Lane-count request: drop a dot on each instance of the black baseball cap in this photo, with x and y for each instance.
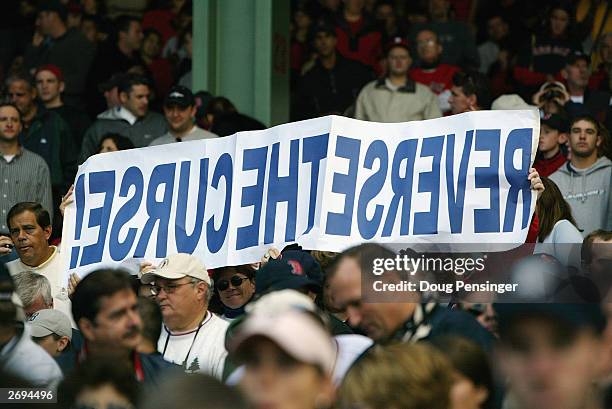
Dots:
(180, 96)
(556, 121)
(56, 6)
(574, 56)
(281, 275)
(323, 27)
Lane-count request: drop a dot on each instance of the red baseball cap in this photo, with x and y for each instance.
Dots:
(53, 69)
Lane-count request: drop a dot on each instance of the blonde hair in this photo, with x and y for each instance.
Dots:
(400, 376)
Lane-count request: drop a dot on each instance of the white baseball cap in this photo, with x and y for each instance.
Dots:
(47, 322)
(296, 333)
(178, 266)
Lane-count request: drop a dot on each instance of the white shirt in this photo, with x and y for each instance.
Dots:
(563, 242)
(54, 271)
(22, 357)
(200, 350)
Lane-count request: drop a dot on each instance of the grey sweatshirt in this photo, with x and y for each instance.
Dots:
(588, 193)
(119, 120)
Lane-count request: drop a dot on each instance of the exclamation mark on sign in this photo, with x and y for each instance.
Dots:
(79, 197)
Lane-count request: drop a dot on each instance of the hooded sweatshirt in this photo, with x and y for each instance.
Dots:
(587, 191)
(141, 131)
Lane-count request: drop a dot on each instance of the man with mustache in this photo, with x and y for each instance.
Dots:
(105, 308)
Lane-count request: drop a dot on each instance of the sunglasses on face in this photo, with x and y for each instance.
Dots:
(235, 281)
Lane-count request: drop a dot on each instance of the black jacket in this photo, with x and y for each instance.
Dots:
(322, 91)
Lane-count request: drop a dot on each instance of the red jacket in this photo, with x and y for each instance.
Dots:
(360, 42)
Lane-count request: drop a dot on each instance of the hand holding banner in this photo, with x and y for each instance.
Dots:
(326, 183)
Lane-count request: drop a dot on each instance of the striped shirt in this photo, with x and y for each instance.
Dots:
(24, 179)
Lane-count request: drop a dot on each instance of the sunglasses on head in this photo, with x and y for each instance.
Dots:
(235, 281)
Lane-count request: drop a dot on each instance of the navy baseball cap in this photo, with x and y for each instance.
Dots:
(556, 121)
(281, 275)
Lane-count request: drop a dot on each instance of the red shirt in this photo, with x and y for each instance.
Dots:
(437, 79)
(547, 167)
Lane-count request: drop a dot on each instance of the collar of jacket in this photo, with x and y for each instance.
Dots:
(409, 87)
(123, 113)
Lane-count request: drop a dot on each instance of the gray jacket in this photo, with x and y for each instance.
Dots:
(588, 193)
(140, 131)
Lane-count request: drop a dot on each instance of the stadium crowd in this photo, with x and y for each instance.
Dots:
(294, 329)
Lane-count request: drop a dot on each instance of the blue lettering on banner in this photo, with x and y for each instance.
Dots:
(225, 169)
(377, 151)
(517, 139)
(158, 212)
(487, 220)
(339, 224)
(282, 189)
(253, 159)
(457, 198)
(79, 201)
(402, 187)
(314, 151)
(427, 222)
(99, 182)
(120, 250)
(186, 243)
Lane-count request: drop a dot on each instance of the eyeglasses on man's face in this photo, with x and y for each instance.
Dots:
(168, 288)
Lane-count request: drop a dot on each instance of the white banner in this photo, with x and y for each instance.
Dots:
(326, 183)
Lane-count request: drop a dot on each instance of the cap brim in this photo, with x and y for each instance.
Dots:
(295, 283)
(150, 276)
(39, 332)
(290, 340)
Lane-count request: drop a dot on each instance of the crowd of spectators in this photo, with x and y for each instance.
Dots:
(294, 330)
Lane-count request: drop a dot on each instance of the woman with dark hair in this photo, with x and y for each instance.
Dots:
(557, 226)
(235, 287)
(473, 387)
(112, 142)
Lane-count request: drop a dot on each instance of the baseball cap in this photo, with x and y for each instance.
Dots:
(178, 266)
(54, 5)
(280, 275)
(323, 27)
(510, 102)
(181, 96)
(555, 121)
(54, 69)
(296, 333)
(302, 261)
(47, 322)
(575, 316)
(111, 83)
(397, 42)
(574, 56)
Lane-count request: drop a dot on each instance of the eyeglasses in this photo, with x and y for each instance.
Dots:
(169, 289)
(426, 43)
(235, 281)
